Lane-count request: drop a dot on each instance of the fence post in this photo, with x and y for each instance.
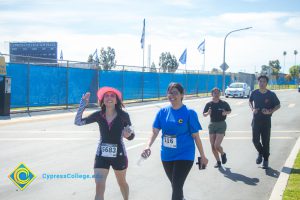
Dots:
(158, 90)
(143, 84)
(122, 87)
(28, 85)
(197, 88)
(67, 86)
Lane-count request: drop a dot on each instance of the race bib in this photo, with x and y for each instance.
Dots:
(170, 141)
(109, 150)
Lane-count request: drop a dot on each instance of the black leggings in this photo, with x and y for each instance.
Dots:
(177, 172)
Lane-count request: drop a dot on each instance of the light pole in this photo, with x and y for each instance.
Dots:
(223, 65)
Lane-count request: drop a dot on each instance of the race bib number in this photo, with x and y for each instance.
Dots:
(170, 141)
(109, 150)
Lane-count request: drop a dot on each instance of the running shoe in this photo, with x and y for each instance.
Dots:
(259, 159)
(224, 158)
(218, 164)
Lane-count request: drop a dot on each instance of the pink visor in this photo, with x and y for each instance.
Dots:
(104, 90)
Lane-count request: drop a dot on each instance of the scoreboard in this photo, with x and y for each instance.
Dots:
(43, 52)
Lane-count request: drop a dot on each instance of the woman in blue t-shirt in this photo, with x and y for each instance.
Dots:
(180, 131)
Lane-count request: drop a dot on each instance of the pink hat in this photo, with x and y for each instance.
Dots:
(104, 90)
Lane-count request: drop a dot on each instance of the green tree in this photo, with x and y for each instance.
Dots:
(266, 70)
(168, 62)
(275, 66)
(153, 67)
(284, 54)
(107, 58)
(288, 77)
(215, 71)
(295, 53)
(90, 58)
(294, 71)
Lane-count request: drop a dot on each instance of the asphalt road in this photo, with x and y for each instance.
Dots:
(52, 144)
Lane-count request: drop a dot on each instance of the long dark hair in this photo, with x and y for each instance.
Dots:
(118, 106)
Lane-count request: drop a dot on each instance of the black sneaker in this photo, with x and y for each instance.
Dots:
(265, 164)
(224, 158)
(259, 159)
(218, 164)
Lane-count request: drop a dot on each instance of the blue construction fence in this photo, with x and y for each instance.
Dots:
(38, 85)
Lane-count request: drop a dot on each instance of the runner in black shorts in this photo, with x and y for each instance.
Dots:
(114, 124)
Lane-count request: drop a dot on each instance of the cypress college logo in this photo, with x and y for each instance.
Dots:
(21, 176)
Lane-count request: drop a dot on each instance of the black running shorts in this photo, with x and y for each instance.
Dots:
(118, 163)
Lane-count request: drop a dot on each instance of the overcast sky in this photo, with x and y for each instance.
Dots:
(80, 27)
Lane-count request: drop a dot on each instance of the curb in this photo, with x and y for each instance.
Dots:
(281, 183)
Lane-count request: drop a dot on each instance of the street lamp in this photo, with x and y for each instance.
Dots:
(224, 64)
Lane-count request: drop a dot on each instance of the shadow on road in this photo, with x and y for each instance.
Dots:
(272, 172)
(238, 177)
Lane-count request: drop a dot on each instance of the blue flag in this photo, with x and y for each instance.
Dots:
(95, 55)
(143, 35)
(182, 58)
(61, 55)
(201, 47)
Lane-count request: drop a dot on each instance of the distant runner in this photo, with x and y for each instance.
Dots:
(217, 109)
(265, 104)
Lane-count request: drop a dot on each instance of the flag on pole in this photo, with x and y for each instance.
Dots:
(95, 55)
(201, 47)
(143, 35)
(61, 55)
(182, 58)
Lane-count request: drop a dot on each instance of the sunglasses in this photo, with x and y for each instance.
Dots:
(111, 95)
(174, 93)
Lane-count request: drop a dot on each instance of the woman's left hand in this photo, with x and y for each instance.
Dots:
(127, 131)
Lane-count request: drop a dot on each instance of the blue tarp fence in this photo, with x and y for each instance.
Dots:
(38, 85)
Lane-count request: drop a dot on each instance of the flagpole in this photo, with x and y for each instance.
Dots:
(203, 67)
(143, 58)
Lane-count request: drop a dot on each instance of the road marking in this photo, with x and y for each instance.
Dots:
(282, 180)
(240, 103)
(232, 115)
(96, 139)
(134, 146)
(291, 105)
(74, 132)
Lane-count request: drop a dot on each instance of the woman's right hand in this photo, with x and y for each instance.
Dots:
(146, 153)
(86, 97)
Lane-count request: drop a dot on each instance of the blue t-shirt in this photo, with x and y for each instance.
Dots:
(177, 127)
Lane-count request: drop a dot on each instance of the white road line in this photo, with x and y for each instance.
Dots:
(282, 180)
(291, 105)
(134, 146)
(137, 131)
(240, 102)
(232, 115)
(96, 139)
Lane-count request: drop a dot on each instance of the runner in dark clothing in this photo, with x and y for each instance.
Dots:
(263, 103)
(217, 109)
(114, 124)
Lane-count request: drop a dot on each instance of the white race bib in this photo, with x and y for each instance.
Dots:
(170, 141)
(109, 150)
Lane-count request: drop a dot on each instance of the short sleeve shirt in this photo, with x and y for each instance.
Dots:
(216, 110)
(110, 134)
(262, 101)
(179, 124)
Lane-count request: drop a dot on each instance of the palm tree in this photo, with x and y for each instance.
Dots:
(284, 54)
(295, 53)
